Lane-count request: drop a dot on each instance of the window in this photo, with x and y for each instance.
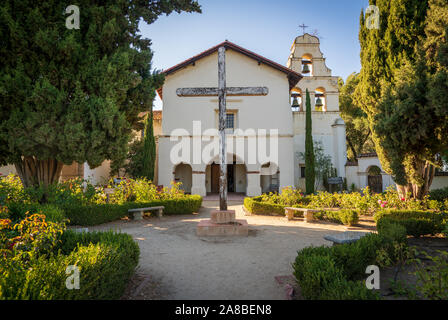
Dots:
(230, 121)
(302, 172)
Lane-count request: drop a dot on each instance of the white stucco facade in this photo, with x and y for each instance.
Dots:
(253, 116)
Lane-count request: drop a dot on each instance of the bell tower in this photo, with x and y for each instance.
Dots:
(307, 59)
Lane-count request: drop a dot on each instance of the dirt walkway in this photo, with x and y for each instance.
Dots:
(176, 264)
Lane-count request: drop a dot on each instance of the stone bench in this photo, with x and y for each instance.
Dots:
(307, 213)
(138, 212)
(345, 237)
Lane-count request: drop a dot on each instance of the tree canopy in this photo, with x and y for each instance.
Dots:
(402, 89)
(74, 94)
(358, 135)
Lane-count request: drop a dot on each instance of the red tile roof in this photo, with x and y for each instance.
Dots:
(293, 77)
(368, 155)
(157, 114)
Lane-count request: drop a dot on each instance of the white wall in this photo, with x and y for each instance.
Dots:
(272, 111)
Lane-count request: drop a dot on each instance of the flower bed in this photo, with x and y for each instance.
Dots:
(86, 205)
(363, 203)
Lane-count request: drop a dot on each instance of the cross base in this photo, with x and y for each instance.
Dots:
(222, 223)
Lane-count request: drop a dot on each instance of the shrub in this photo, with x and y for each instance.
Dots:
(432, 280)
(391, 231)
(416, 223)
(18, 211)
(29, 238)
(94, 214)
(256, 206)
(316, 274)
(11, 189)
(106, 262)
(331, 272)
(439, 194)
(344, 216)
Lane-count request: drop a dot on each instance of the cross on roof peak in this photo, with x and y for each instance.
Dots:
(303, 26)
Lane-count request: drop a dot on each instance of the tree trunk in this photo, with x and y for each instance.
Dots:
(423, 171)
(34, 172)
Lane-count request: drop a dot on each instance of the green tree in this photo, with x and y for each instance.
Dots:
(74, 94)
(358, 135)
(398, 93)
(149, 149)
(310, 174)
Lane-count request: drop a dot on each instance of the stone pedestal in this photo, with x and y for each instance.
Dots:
(222, 223)
(309, 215)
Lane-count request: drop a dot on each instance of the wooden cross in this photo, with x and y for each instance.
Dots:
(303, 26)
(222, 91)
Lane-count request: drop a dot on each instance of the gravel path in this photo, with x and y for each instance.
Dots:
(176, 264)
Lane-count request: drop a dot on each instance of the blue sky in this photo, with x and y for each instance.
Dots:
(267, 27)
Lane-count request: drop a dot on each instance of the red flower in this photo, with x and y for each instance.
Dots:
(403, 199)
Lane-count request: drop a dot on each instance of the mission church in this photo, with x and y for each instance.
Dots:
(273, 113)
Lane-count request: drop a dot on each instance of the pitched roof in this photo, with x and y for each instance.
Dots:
(293, 77)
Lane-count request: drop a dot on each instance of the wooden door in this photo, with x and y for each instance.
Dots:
(215, 178)
(375, 183)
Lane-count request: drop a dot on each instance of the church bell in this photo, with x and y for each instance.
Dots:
(319, 103)
(306, 68)
(295, 102)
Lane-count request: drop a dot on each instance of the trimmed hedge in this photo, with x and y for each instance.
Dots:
(338, 272)
(416, 223)
(106, 261)
(439, 194)
(94, 214)
(345, 216)
(256, 206)
(18, 210)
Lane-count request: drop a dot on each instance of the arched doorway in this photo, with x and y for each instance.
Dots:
(375, 179)
(269, 178)
(183, 174)
(236, 176)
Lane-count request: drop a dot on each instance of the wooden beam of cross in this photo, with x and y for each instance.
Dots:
(303, 26)
(222, 91)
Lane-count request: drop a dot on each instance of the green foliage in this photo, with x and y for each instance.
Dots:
(432, 279)
(402, 88)
(11, 189)
(94, 214)
(309, 148)
(364, 203)
(359, 139)
(149, 149)
(416, 223)
(439, 194)
(322, 165)
(345, 216)
(143, 190)
(74, 94)
(18, 211)
(255, 205)
(105, 260)
(28, 239)
(274, 203)
(333, 272)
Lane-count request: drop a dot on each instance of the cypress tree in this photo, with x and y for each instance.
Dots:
(310, 174)
(149, 149)
(74, 94)
(408, 126)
